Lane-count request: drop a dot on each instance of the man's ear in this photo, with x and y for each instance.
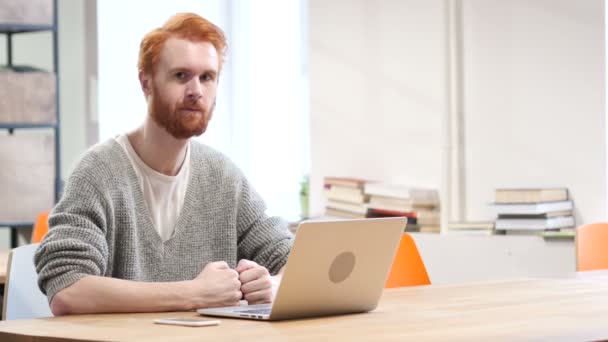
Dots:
(145, 81)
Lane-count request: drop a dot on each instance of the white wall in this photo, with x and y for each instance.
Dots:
(377, 91)
(534, 112)
(535, 100)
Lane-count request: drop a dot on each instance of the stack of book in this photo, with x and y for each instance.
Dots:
(345, 197)
(419, 205)
(544, 211)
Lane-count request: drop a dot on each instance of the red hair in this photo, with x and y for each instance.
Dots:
(188, 26)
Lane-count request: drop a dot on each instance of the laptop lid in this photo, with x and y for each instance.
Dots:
(335, 267)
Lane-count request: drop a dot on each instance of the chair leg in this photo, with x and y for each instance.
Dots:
(14, 237)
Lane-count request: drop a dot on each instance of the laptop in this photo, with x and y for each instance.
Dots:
(335, 267)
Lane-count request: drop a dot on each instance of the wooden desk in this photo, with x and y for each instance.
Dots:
(526, 309)
(3, 266)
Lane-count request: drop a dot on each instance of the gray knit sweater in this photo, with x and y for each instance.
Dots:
(102, 225)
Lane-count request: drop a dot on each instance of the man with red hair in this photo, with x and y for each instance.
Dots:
(152, 220)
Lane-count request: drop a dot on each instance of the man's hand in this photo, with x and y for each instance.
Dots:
(256, 282)
(217, 285)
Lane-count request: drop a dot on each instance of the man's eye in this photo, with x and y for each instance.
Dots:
(180, 75)
(206, 77)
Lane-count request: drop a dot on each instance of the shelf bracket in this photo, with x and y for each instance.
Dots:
(9, 49)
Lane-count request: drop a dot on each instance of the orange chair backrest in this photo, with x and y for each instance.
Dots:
(40, 227)
(408, 268)
(592, 247)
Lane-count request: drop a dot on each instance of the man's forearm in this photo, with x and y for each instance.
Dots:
(93, 294)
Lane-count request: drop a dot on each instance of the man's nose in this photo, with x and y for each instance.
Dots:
(194, 91)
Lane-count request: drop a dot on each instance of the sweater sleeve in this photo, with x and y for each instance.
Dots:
(75, 245)
(263, 239)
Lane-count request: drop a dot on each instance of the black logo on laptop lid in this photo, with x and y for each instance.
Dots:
(342, 267)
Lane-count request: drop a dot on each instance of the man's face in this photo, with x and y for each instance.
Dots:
(183, 88)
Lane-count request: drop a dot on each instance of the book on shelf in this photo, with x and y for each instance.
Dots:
(535, 223)
(349, 207)
(570, 230)
(404, 204)
(428, 218)
(343, 214)
(422, 216)
(558, 234)
(347, 182)
(417, 228)
(524, 232)
(531, 195)
(543, 215)
(532, 208)
(418, 196)
(344, 194)
(396, 208)
(374, 212)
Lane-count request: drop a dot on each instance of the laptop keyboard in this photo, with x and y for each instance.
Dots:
(256, 311)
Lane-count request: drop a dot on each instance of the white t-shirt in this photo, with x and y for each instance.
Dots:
(164, 195)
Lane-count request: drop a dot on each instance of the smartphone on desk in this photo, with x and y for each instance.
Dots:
(187, 321)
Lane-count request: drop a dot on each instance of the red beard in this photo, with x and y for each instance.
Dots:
(187, 120)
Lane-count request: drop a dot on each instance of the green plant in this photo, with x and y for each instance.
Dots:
(304, 196)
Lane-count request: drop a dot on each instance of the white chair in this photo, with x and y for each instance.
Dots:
(22, 297)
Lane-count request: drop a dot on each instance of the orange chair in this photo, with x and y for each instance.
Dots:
(40, 227)
(408, 268)
(592, 247)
